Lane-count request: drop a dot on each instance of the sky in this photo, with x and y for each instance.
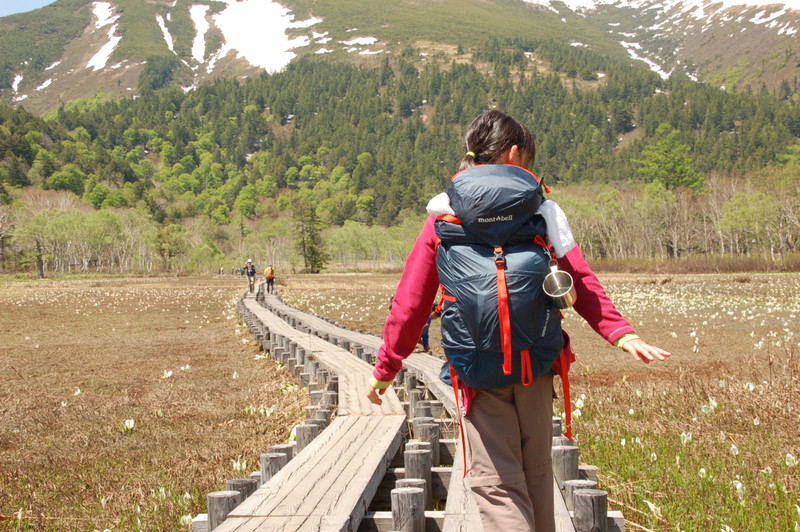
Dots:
(9, 7)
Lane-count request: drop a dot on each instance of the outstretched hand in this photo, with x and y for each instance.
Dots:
(644, 351)
(373, 395)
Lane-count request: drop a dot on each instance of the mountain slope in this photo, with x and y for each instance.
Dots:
(79, 48)
(212, 39)
(725, 43)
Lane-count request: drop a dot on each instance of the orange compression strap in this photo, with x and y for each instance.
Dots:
(454, 380)
(440, 305)
(503, 310)
(527, 369)
(565, 388)
(450, 218)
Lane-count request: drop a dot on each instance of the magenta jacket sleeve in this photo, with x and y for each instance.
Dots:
(592, 303)
(411, 306)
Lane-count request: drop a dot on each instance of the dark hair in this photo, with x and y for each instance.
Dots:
(491, 134)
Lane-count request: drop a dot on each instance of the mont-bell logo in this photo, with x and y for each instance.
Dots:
(491, 219)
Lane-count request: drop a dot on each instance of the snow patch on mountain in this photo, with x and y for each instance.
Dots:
(198, 14)
(105, 17)
(167, 37)
(362, 41)
(256, 31)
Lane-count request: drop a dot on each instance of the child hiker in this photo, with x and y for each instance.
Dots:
(489, 242)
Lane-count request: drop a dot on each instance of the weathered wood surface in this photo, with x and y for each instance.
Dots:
(461, 511)
(424, 366)
(320, 325)
(562, 515)
(354, 374)
(427, 369)
(329, 484)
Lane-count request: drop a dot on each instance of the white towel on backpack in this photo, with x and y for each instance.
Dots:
(558, 231)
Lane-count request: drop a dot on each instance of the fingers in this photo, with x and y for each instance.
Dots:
(645, 352)
(656, 353)
(372, 395)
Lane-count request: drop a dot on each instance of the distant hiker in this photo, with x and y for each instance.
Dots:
(488, 243)
(269, 275)
(250, 270)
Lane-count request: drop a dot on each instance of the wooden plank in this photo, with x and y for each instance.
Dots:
(310, 489)
(562, 515)
(382, 522)
(461, 510)
(426, 366)
(319, 324)
(354, 374)
(427, 369)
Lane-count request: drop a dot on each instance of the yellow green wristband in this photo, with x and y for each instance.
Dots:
(379, 385)
(622, 340)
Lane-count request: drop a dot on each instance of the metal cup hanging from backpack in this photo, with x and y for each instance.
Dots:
(559, 286)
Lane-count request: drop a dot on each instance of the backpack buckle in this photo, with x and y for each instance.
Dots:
(499, 258)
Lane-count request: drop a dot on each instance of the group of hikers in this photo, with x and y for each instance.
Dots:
(249, 270)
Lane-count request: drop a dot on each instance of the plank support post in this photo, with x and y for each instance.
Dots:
(408, 509)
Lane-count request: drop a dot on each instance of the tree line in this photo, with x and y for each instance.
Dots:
(289, 164)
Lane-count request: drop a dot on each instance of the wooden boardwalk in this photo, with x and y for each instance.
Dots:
(331, 482)
(354, 374)
(328, 485)
(425, 367)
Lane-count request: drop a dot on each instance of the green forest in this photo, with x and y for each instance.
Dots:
(328, 163)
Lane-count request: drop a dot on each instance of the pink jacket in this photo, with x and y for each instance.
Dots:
(419, 284)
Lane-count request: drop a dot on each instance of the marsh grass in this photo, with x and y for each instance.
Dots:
(711, 436)
(119, 409)
(700, 453)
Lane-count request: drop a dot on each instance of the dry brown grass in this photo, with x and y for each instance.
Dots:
(732, 381)
(80, 357)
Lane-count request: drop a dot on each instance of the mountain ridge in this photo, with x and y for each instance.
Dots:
(77, 48)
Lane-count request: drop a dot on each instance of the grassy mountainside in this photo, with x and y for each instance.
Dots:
(464, 22)
(45, 52)
(30, 42)
(65, 32)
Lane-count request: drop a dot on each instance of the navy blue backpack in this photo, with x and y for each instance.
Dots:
(498, 326)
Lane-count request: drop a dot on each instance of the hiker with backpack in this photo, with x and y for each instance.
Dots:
(269, 275)
(250, 270)
(489, 242)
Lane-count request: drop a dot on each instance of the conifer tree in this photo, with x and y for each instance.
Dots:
(309, 241)
(668, 161)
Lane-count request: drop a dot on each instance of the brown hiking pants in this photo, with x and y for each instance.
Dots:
(509, 435)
